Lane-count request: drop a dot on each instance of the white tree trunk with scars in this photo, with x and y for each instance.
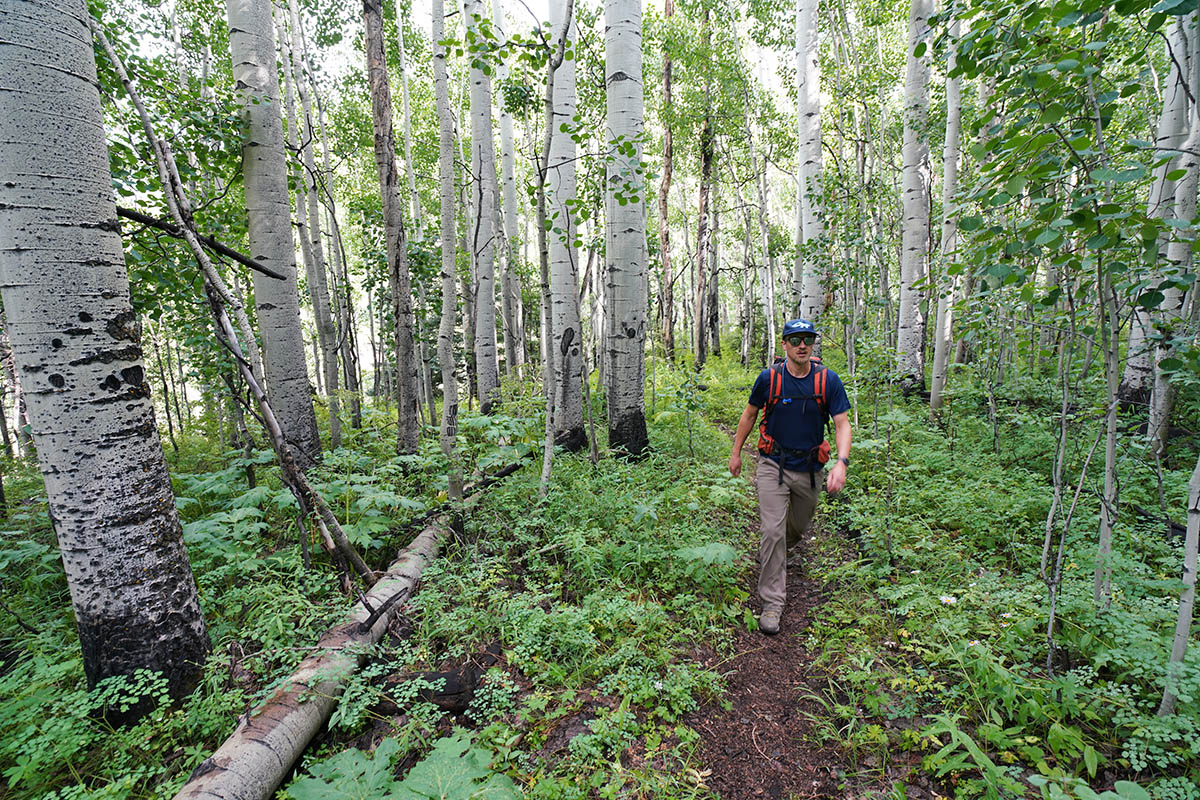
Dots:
(1187, 598)
(810, 260)
(261, 751)
(327, 333)
(418, 233)
(768, 258)
(510, 281)
(914, 255)
(407, 398)
(950, 154)
(567, 341)
(441, 88)
(1138, 377)
(264, 170)
(1169, 314)
(625, 228)
(77, 345)
(482, 235)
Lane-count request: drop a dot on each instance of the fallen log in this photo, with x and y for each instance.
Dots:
(254, 760)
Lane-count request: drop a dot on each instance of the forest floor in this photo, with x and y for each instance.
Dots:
(767, 743)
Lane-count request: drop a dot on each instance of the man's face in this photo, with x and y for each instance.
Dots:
(799, 347)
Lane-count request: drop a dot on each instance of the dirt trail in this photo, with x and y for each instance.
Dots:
(764, 745)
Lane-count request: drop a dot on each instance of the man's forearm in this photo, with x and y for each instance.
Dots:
(843, 436)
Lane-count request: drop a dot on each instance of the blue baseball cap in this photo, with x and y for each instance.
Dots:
(795, 326)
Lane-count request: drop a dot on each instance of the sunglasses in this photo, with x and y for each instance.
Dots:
(796, 341)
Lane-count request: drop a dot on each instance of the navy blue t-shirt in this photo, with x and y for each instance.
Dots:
(796, 422)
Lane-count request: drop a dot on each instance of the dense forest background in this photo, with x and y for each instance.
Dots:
(369, 374)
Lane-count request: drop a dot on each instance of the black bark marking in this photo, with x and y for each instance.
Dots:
(131, 352)
(134, 375)
(85, 316)
(112, 383)
(57, 381)
(568, 337)
(57, 344)
(125, 327)
(78, 331)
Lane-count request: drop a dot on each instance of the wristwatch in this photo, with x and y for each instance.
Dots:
(845, 461)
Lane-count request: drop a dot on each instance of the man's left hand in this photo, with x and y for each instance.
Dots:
(836, 478)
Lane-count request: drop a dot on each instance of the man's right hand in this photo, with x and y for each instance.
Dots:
(735, 464)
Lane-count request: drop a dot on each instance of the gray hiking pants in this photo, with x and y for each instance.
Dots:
(785, 511)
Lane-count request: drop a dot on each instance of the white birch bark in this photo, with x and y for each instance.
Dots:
(77, 345)
(1179, 254)
(407, 396)
(1187, 598)
(950, 155)
(1138, 377)
(418, 233)
(625, 228)
(441, 81)
(510, 280)
(768, 259)
(264, 171)
(810, 261)
(482, 236)
(914, 254)
(327, 334)
(567, 337)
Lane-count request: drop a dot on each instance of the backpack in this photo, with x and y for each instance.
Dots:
(767, 445)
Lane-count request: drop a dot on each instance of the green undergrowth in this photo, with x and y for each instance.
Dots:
(937, 630)
(601, 600)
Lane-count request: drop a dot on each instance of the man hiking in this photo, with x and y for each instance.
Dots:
(798, 397)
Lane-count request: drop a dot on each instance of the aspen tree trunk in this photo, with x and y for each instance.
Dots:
(764, 228)
(1187, 598)
(264, 171)
(441, 85)
(950, 154)
(343, 303)
(1138, 378)
(810, 261)
(407, 398)
(914, 200)
(327, 333)
(567, 331)
(700, 322)
(1169, 314)
(482, 235)
(625, 226)
(714, 260)
(664, 192)
(418, 234)
(77, 341)
(510, 280)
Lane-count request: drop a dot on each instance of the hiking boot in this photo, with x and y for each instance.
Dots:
(768, 622)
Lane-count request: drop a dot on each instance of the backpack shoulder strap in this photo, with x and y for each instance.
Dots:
(820, 382)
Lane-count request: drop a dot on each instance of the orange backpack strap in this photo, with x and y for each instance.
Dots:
(766, 443)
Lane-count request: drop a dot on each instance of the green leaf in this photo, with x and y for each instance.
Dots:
(1130, 791)
(1091, 759)
(919, 50)
(1053, 113)
(455, 770)
(350, 775)
(1176, 174)
(970, 223)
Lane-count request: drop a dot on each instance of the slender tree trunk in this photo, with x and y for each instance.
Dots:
(77, 339)
(764, 229)
(441, 81)
(567, 331)
(664, 191)
(327, 333)
(811, 262)
(625, 251)
(1137, 380)
(482, 234)
(1187, 598)
(915, 200)
(264, 170)
(950, 152)
(510, 279)
(714, 260)
(418, 234)
(700, 327)
(393, 216)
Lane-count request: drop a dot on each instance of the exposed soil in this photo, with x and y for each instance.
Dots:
(765, 745)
